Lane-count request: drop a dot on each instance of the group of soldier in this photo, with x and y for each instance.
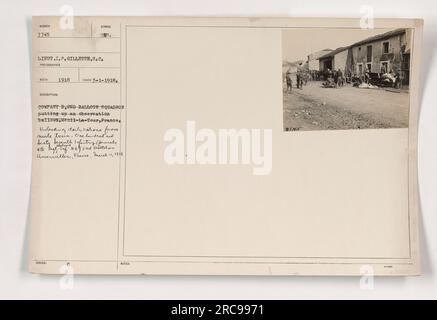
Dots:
(334, 78)
(338, 78)
(301, 80)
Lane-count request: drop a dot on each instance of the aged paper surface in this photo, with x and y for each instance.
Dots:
(135, 169)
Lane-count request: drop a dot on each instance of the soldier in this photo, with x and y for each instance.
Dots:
(328, 74)
(335, 75)
(289, 81)
(299, 80)
(340, 78)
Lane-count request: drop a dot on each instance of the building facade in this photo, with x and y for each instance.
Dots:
(383, 53)
(387, 52)
(336, 59)
(313, 59)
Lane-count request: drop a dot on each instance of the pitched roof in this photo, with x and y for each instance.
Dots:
(380, 37)
(294, 63)
(334, 52)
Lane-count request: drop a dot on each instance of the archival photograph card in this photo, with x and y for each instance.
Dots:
(225, 146)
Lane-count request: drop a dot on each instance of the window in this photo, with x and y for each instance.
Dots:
(359, 48)
(369, 53)
(360, 68)
(384, 67)
(369, 67)
(385, 46)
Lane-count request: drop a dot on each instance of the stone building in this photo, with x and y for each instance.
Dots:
(313, 59)
(339, 58)
(382, 53)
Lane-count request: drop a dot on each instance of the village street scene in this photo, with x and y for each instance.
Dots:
(360, 85)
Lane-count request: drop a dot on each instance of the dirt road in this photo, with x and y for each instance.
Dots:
(318, 108)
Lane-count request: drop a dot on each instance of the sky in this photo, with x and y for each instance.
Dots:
(297, 44)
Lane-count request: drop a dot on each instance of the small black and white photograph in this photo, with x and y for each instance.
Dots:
(342, 79)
